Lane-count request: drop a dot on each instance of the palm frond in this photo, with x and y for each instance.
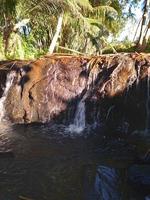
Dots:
(85, 4)
(104, 10)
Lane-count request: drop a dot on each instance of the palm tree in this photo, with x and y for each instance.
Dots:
(77, 23)
(56, 36)
(88, 27)
(143, 23)
(7, 13)
(80, 15)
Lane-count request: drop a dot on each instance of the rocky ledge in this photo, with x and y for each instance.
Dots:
(114, 88)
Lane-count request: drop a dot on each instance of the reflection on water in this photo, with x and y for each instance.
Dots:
(106, 183)
(48, 164)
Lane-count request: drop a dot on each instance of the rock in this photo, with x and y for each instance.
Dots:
(44, 90)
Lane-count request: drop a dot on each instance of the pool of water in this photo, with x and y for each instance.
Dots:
(46, 162)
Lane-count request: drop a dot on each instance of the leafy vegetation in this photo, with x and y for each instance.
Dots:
(30, 28)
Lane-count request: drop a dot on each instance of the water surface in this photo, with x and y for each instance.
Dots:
(48, 163)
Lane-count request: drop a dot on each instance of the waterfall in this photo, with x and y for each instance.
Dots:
(147, 127)
(9, 81)
(79, 122)
(79, 119)
(138, 76)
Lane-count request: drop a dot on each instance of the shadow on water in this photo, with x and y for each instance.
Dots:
(48, 164)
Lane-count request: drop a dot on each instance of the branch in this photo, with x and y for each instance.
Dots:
(72, 50)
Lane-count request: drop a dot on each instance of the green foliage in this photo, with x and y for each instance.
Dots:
(7, 7)
(125, 46)
(2, 57)
(31, 50)
(86, 25)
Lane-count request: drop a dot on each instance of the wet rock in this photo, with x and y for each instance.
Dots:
(44, 90)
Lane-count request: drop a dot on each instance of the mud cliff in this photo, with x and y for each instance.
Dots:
(114, 87)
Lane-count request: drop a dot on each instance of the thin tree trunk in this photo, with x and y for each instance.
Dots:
(55, 38)
(136, 31)
(139, 42)
(146, 36)
(7, 30)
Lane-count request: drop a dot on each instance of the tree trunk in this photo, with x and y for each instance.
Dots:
(136, 31)
(55, 38)
(142, 30)
(7, 30)
(145, 37)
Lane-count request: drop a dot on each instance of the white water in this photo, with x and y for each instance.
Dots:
(9, 81)
(79, 121)
(138, 76)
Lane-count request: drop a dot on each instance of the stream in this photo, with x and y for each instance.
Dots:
(45, 162)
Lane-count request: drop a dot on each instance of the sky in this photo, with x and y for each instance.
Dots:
(131, 26)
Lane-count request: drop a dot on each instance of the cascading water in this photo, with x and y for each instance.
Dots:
(138, 76)
(79, 119)
(9, 81)
(79, 122)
